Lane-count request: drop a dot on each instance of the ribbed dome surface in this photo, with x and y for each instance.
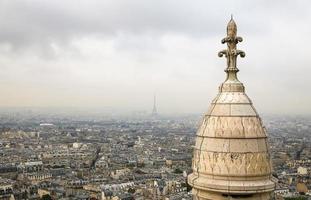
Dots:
(231, 157)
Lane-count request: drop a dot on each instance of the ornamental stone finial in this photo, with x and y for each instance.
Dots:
(231, 52)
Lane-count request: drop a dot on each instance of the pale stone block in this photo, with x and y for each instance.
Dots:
(242, 110)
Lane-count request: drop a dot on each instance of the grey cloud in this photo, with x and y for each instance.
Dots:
(41, 22)
(30, 22)
(111, 48)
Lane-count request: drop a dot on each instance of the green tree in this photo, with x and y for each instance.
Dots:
(178, 171)
(131, 190)
(296, 198)
(46, 197)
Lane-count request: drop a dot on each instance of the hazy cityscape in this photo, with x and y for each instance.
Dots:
(138, 156)
(118, 100)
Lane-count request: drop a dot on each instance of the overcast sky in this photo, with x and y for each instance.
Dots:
(118, 53)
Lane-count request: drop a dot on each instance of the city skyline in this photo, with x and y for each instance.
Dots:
(124, 100)
(115, 54)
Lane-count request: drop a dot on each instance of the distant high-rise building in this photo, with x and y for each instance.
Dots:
(154, 110)
(231, 159)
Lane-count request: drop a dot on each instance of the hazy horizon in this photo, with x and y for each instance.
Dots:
(117, 54)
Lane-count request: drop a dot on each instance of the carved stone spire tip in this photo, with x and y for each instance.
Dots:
(231, 28)
(231, 52)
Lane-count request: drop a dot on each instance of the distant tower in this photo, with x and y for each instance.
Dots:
(231, 159)
(154, 110)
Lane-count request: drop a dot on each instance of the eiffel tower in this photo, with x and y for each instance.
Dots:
(154, 110)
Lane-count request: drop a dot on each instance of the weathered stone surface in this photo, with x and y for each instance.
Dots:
(231, 127)
(231, 155)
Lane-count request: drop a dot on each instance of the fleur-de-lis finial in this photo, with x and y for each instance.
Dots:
(231, 52)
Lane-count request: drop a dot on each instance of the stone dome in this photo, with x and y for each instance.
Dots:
(231, 158)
